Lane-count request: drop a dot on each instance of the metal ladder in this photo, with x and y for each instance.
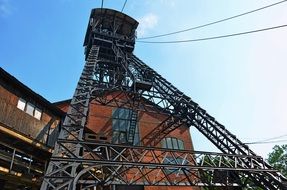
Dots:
(132, 127)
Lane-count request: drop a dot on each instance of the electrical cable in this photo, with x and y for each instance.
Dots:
(124, 5)
(273, 138)
(267, 142)
(212, 23)
(102, 5)
(212, 38)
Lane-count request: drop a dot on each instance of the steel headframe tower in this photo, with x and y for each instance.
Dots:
(111, 67)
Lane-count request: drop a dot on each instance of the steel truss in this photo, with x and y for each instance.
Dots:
(137, 165)
(113, 76)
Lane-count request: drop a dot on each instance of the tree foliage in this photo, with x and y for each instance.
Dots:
(278, 158)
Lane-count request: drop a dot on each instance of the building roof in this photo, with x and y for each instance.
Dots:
(12, 81)
(68, 101)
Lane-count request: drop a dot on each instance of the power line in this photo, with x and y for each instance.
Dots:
(102, 5)
(212, 23)
(278, 137)
(214, 37)
(124, 5)
(268, 142)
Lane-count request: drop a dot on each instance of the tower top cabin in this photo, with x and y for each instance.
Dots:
(107, 26)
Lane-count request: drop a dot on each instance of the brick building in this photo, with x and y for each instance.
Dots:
(111, 124)
(30, 125)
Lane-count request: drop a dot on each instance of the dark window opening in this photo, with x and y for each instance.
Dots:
(121, 126)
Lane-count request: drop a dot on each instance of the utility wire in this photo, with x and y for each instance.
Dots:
(268, 142)
(212, 38)
(124, 5)
(212, 23)
(278, 137)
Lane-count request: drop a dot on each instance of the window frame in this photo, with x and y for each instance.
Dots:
(39, 111)
(121, 118)
(172, 143)
(26, 108)
(21, 101)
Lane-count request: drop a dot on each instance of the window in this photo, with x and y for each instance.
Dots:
(172, 143)
(21, 104)
(177, 161)
(37, 113)
(29, 108)
(121, 125)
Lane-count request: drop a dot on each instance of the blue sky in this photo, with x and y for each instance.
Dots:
(241, 81)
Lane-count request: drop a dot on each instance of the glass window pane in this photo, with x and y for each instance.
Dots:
(21, 104)
(174, 143)
(168, 143)
(121, 123)
(127, 125)
(120, 113)
(180, 145)
(38, 113)
(123, 113)
(30, 109)
(115, 138)
(123, 137)
(115, 124)
(137, 139)
(128, 114)
(115, 113)
(163, 143)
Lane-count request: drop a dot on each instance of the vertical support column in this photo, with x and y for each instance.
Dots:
(12, 160)
(72, 129)
(29, 168)
(48, 134)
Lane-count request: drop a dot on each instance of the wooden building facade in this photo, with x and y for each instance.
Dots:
(29, 127)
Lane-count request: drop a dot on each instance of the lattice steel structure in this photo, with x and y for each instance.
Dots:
(112, 67)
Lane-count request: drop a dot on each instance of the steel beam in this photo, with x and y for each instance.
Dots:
(111, 67)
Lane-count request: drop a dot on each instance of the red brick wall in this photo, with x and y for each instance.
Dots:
(64, 106)
(100, 122)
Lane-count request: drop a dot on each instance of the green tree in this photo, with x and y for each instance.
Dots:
(278, 158)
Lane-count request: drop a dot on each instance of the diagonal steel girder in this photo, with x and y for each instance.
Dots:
(72, 156)
(123, 99)
(172, 101)
(176, 102)
(169, 98)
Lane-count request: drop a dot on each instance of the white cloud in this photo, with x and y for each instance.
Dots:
(146, 23)
(5, 8)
